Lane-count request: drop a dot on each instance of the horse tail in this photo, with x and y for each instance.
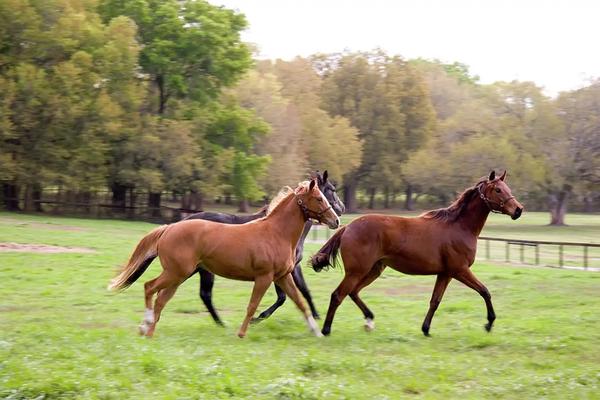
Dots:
(327, 255)
(144, 253)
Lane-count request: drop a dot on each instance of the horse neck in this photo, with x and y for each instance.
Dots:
(288, 218)
(475, 215)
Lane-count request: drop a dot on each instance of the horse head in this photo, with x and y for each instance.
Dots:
(328, 189)
(315, 205)
(498, 196)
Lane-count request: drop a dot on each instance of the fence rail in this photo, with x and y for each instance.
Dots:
(545, 253)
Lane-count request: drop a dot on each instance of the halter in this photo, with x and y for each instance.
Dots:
(307, 211)
(488, 201)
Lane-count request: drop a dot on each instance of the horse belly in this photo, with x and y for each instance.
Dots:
(230, 270)
(415, 264)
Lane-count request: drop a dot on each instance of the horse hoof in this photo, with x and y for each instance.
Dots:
(318, 334)
(326, 332)
(241, 335)
(369, 325)
(488, 327)
(316, 316)
(256, 320)
(143, 329)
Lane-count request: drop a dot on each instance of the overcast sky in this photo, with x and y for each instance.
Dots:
(553, 43)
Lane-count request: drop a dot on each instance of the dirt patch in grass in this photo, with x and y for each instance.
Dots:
(43, 248)
(42, 225)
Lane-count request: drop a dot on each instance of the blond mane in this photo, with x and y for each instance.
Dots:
(284, 193)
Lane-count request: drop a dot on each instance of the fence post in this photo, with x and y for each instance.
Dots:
(507, 252)
(585, 257)
(537, 254)
(522, 253)
(560, 255)
(315, 229)
(487, 249)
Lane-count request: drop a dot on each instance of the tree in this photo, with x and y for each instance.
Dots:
(386, 99)
(191, 49)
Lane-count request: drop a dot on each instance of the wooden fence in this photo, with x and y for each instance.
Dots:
(585, 256)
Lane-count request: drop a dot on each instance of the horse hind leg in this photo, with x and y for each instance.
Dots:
(207, 281)
(287, 284)
(441, 283)
(467, 277)
(339, 294)
(161, 300)
(373, 274)
(150, 288)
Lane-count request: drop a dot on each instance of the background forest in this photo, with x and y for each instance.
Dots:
(147, 101)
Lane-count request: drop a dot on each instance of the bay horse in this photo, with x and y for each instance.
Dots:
(231, 251)
(440, 242)
(207, 278)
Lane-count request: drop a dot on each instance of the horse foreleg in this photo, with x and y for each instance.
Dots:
(441, 283)
(471, 281)
(287, 284)
(261, 284)
(303, 288)
(207, 280)
(267, 313)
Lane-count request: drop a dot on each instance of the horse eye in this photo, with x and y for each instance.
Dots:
(497, 190)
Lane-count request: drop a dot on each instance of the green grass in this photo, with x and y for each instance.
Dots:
(63, 335)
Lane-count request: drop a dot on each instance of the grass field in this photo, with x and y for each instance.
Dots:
(63, 335)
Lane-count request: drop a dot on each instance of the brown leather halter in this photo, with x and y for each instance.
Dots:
(489, 202)
(311, 214)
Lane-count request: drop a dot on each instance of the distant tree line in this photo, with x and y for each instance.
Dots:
(160, 97)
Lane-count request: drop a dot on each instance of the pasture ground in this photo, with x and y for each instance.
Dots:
(63, 335)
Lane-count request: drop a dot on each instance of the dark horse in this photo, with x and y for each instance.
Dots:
(207, 278)
(441, 242)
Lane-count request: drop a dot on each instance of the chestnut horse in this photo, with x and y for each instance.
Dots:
(441, 242)
(207, 278)
(262, 251)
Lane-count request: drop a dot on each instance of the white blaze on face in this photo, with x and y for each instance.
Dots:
(328, 206)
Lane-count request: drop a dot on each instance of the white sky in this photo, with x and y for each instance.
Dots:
(555, 43)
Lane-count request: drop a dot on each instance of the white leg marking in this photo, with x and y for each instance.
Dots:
(149, 316)
(312, 324)
(369, 324)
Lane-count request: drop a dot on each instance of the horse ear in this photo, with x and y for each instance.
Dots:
(503, 176)
(325, 175)
(492, 176)
(312, 184)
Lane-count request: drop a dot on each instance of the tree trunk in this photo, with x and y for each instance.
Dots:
(558, 207)
(198, 201)
(409, 203)
(11, 197)
(243, 206)
(119, 197)
(350, 196)
(228, 199)
(132, 200)
(372, 198)
(33, 195)
(386, 198)
(162, 94)
(154, 205)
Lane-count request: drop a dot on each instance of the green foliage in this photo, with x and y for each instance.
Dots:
(191, 49)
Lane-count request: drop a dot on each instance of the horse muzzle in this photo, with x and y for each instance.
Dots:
(517, 213)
